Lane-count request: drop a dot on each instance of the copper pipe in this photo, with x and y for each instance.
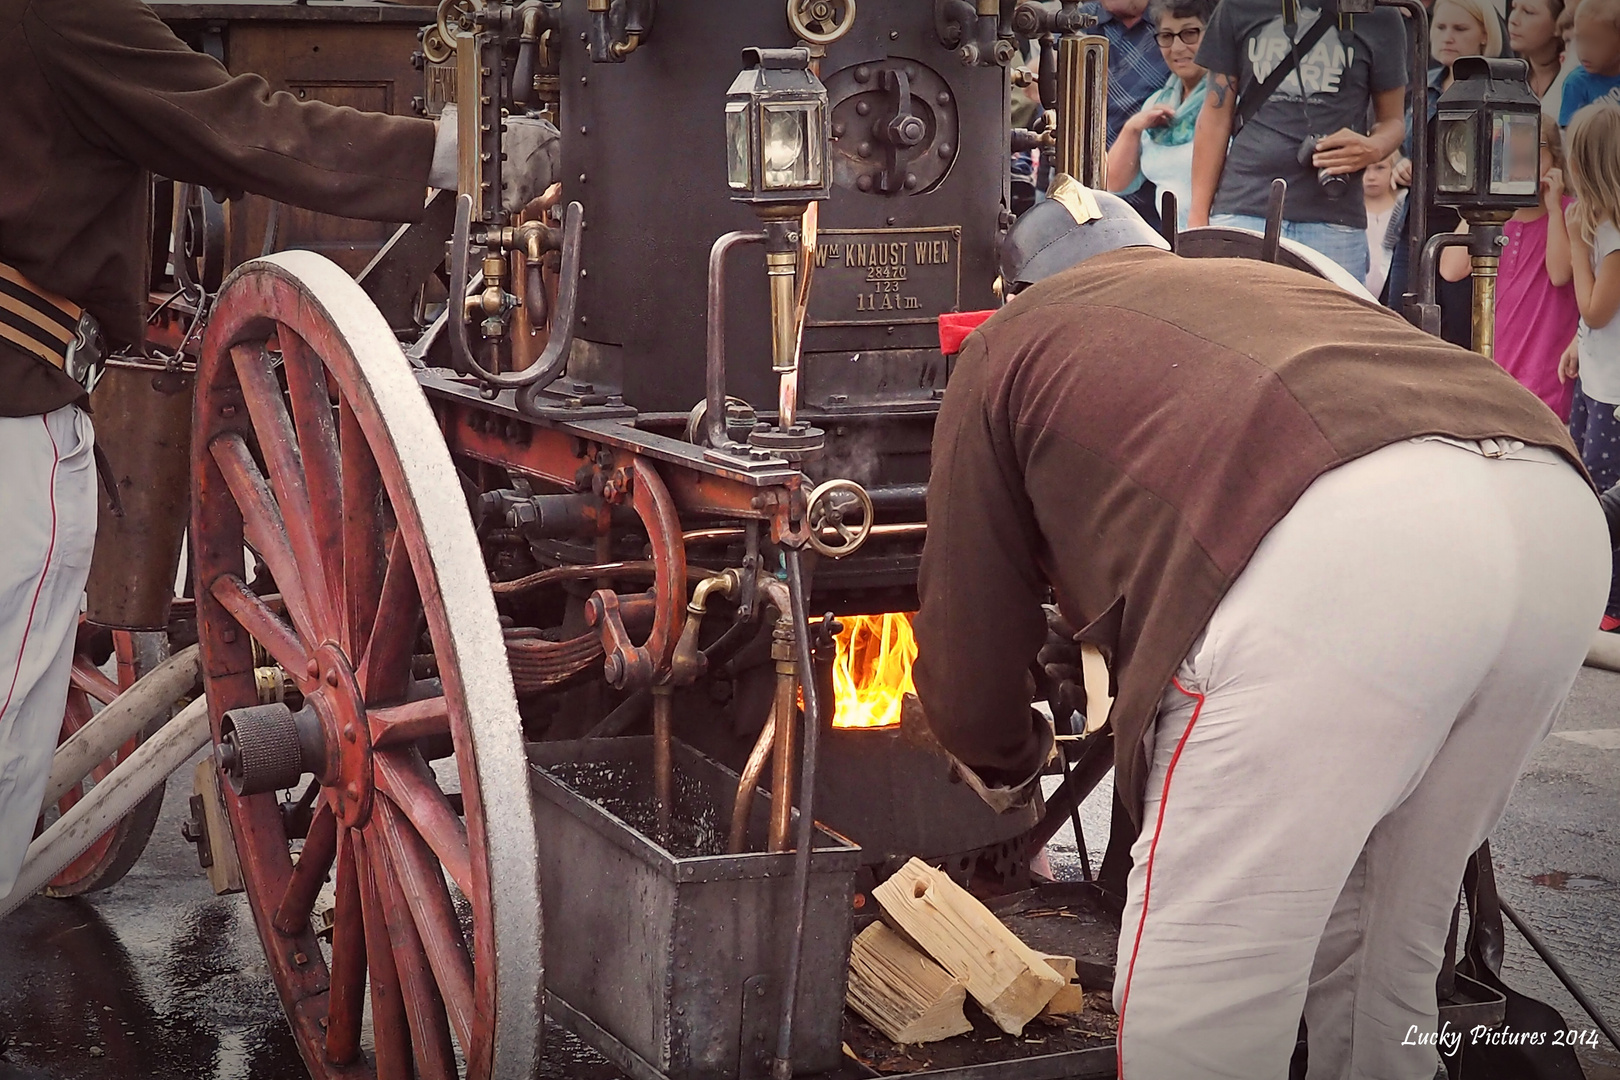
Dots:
(604, 571)
(787, 708)
(663, 763)
(742, 808)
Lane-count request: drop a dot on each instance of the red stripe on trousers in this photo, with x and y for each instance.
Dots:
(50, 549)
(1147, 884)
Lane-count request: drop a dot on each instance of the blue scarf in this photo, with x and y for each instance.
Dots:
(1180, 130)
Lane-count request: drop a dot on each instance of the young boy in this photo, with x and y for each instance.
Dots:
(1597, 45)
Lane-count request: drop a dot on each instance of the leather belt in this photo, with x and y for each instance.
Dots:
(57, 331)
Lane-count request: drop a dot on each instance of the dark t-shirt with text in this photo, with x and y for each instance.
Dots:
(1331, 88)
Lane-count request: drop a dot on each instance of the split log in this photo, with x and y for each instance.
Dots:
(1071, 999)
(1009, 980)
(904, 994)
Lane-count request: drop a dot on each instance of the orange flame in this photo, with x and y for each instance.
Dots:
(872, 673)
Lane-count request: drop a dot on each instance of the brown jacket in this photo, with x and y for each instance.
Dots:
(1128, 432)
(96, 94)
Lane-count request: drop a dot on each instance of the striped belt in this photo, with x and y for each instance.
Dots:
(57, 331)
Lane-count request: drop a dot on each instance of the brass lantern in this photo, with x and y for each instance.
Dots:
(777, 130)
(1488, 138)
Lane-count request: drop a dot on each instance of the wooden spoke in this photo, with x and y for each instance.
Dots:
(422, 882)
(363, 546)
(386, 669)
(346, 1003)
(407, 780)
(397, 725)
(93, 682)
(390, 1028)
(292, 915)
(264, 625)
(424, 1006)
(317, 450)
(278, 445)
(263, 527)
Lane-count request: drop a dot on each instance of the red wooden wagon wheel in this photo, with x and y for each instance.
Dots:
(105, 862)
(314, 446)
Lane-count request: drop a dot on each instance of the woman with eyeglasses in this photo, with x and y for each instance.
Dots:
(1157, 143)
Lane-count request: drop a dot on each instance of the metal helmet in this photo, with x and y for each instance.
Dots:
(1071, 225)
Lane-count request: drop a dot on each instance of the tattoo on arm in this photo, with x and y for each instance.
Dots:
(1221, 87)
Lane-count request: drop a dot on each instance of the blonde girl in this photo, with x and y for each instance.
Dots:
(1592, 150)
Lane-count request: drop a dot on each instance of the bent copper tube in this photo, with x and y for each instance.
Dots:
(714, 376)
(748, 784)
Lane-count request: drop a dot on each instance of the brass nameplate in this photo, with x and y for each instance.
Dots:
(885, 276)
(439, 86)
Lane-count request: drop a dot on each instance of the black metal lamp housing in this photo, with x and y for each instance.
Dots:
(777, 130)
(1488, 137)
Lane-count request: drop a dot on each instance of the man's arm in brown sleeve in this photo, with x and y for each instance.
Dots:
(980, 624)
(134, 87)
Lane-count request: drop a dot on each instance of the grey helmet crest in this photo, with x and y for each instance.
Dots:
(1069, 226)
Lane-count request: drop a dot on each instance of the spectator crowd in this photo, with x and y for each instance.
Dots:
(1212, 100)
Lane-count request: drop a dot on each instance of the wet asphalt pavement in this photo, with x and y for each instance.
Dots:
(158, 979)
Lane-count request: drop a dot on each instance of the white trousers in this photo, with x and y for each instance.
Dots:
(47, 532)
(1344, 734)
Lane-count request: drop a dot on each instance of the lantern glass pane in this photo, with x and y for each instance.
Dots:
(1515, 154)
(1456, 160)
(738, 173)
(790, 146)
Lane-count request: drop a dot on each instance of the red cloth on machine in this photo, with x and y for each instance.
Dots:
(955, 327)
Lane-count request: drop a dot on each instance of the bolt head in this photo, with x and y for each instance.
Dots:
(863, 74)
(228, 636)
(227, 411)
(613, 668)
(351, 734)
(331, 678)
(313, 668)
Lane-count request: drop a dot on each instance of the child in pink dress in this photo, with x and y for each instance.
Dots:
(1536, 314)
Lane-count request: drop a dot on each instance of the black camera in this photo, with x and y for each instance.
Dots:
(1333, 185)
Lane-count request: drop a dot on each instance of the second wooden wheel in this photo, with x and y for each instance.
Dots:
(315, 449)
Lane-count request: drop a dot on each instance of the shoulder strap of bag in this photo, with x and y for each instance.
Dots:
(1258, 94)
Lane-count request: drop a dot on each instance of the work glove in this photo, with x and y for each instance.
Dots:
(533, 162)
(1064, 682)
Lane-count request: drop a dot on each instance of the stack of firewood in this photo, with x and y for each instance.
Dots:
(910, 974)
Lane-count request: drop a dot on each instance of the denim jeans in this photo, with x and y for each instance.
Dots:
(1344, 244)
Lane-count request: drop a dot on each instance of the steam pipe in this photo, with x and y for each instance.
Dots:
(787, 708)
(1428, 310)
(714, 379)
(782, 1067)
(554, 359)
(663, 702)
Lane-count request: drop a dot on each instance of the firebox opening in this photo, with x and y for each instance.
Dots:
(872, 672)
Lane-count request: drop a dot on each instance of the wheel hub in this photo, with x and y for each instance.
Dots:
(340, 705)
